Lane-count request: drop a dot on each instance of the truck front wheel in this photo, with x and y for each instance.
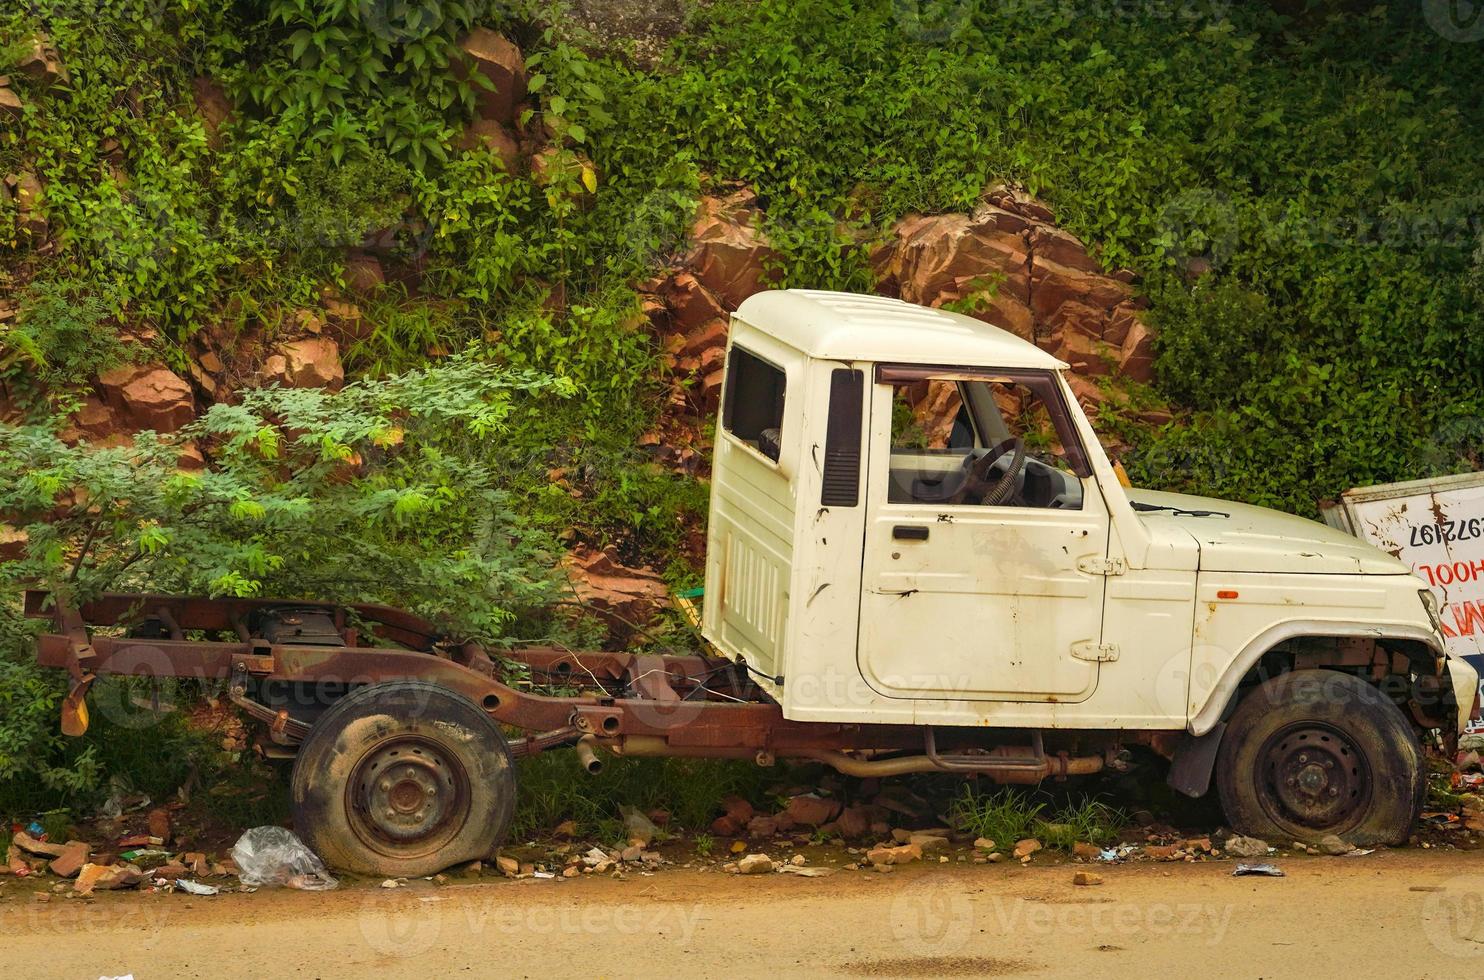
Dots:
(403, 779)
(1317, 752)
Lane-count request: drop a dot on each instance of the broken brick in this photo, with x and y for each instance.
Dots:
(71, 860)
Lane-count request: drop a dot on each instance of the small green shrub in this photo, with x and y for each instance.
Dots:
(1004, 815)
(1008, 815)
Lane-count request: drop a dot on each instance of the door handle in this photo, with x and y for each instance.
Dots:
(910, 532)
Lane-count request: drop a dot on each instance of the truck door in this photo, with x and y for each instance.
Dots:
(985, 540)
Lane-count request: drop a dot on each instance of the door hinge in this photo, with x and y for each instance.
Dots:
(1095, 652)
(1096, 565)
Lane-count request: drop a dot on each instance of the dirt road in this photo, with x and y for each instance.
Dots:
(1393, 913)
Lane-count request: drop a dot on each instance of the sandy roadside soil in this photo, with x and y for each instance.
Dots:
(1411, 913)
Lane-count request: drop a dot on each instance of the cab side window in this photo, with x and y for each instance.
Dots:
(958, 441)
(752, 407)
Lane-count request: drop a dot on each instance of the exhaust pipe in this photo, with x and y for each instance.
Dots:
(1000, 770)
(587, 755)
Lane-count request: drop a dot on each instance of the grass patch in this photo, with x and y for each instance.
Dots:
(1090, 821)
(553, 788)
(1004, 816)
(1008, 815)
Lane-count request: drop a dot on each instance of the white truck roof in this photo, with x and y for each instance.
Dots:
(852, 327)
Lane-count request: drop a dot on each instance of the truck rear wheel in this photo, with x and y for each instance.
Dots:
(1317, 752)
(402, 779)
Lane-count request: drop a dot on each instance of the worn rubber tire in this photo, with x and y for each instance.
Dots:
(453, 743)
(1379, 759)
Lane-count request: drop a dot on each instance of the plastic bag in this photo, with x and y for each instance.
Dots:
(274, 856)
(641, 829)
(195, 887)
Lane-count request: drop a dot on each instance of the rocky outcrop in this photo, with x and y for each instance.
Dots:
(313, 362)
(496, 57)
(496, 137)
(212, 107)
(141, 396)
(1008, 265)
(729, 252)
(11, 105)
(625, 598)
(41, 61)
(726, 260)
(363, 273)
(25, 190)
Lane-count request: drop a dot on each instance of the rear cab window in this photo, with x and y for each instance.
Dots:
(752, 407)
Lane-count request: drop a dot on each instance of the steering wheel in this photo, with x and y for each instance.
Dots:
(977, 487)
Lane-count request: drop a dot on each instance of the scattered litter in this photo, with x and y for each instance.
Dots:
(121, 800)
(108, 877)
(1113, 855)
(1247, 847)
(1266, 870)
(794, 869)
(393, 883)
(195, 887)
(1359, 852)
(1470, 781)
(543, 874)
(640, 828)
(274, 856)
(144, 852)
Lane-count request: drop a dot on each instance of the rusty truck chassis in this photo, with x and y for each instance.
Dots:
(624, 703)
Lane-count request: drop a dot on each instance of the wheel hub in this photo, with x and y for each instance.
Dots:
(1314, 777)
(408, 792)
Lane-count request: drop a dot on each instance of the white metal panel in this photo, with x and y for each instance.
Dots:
(1236, 611)
(820, 672)
(989, 605)
(1148, 612)
(1437, 528)
(750, 534)
(853, 327)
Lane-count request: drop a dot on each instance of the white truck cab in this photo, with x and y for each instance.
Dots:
(912, 522)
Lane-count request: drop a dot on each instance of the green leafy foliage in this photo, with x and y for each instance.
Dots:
(392, 490)
(356, 73)
(1297, 188)
(60, 339)
(389, 490)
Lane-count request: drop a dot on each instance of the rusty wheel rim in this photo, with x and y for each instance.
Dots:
(1313, 778)
(408, 796)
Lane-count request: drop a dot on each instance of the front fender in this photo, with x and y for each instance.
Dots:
(1204, 717)
(1465, 682)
